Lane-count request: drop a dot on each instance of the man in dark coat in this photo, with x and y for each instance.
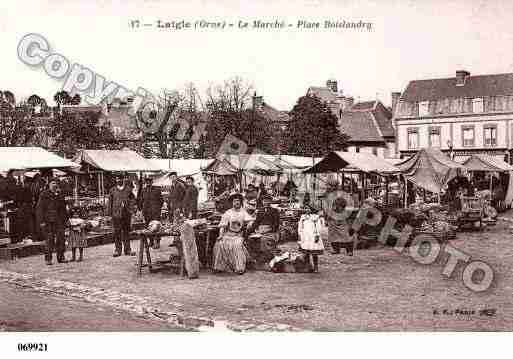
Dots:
(190, 199)
(175, 198)
(52, 218)
(150, 203)
(121, 203)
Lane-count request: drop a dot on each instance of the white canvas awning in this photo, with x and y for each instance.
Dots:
(115, 161)
(29, 158)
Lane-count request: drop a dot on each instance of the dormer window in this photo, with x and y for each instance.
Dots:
(477, 105)
(424, 108)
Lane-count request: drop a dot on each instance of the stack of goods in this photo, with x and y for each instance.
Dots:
(440, 229)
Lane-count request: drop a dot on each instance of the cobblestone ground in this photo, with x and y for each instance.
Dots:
(377, 289)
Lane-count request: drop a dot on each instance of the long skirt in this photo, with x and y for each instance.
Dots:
(230, 254)
(76, 239)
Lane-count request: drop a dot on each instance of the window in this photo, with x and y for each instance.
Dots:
(374, 151)
(490, 135)
(477, 105)
(467, 133)
(357, 149)
(413, 138)
(424, 108)
(434, 137)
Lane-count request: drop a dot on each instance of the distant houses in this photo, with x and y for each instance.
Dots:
(368, 124)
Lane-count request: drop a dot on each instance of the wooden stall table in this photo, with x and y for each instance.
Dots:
(210, 233)
(144, 250)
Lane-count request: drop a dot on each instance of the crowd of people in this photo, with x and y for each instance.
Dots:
(42, 213)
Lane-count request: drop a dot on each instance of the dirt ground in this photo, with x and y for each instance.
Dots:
(377, 289)
(23, 310)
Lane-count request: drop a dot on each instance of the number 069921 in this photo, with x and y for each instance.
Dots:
(32, 347)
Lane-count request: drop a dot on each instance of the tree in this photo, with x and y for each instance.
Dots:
(76, 100)
(73, 130)
(34, 100)
(313, 129)
(16, 122)
(8, 97)
(62, 98)
(230, 114)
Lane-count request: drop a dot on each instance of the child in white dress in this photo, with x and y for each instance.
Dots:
(310, 242)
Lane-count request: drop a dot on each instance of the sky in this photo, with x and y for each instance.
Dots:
(409, 40)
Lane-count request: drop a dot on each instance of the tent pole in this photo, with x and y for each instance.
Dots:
(405, 192)
(362, 181)
(75, 192)
(386, 191)
(343, 180)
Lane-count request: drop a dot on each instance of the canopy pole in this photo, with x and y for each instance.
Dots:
(362, 181)
(386, 191)
(75, 191)
(405, 192)
(491, 184)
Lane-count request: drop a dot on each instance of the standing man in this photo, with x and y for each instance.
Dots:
(150, 203)
(121, 202)
(190, 199)
(175, 199)
(52, 217)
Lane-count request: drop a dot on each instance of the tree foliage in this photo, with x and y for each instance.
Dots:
(313, 129)
(80, 130)
(62, 98)
(17, 127)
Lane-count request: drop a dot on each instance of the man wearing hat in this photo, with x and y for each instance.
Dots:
(150, 203)
(52, 217)
(121, 203)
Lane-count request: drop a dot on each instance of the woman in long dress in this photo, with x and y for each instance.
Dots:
(309, 229)
(340, 234)
(230, 253)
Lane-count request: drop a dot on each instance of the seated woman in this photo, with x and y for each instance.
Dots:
(266, 224)
(230, 253)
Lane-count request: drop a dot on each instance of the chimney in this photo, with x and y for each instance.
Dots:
(395, 100)
(332, 85)
(258, 101)
(461, 77)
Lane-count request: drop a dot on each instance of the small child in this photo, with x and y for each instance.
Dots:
(77, 237)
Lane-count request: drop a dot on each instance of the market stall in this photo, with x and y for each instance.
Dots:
(17, 196)
(96, 171)
(499, 182)
(430, 170)
(365, 167)
(365, 178)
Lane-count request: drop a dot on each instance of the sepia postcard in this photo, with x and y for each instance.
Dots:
(308, 168)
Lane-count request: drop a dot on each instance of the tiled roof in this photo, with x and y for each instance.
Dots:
(475, 86)
(363, 106)
(324, 93)
(360, 126)
(381, 114)
(273, 114)
(384, 119)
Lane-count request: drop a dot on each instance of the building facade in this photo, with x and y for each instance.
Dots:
(461, 115)
(368, 124)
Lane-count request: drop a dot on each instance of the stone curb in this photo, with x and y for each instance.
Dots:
(144, 306)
